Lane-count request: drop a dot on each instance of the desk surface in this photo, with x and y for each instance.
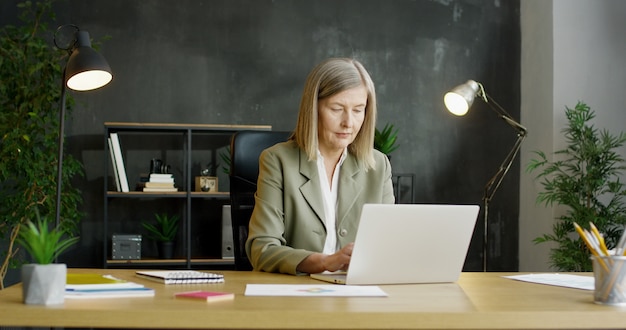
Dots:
(477, 300)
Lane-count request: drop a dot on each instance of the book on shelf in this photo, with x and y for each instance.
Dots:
(157, 189)
(87, 285)
(157, 178)
(208, 296)
(114, 164)
(121, 171)
(162, 180)
(158, 185)
(161, 175)
(180, 277)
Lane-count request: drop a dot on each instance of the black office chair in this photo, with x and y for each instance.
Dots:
(245, 148)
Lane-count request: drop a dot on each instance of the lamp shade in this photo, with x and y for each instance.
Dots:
(460, 98)
(86, 69)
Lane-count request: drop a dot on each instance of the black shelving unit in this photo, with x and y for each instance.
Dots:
(187, 140)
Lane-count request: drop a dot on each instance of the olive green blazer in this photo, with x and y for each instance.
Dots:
(287, 224)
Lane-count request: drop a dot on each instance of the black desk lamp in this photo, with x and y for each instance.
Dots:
(458, 101)
(85, 70)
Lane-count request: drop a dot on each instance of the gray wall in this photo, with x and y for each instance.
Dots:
(244, 62)
(572, 50)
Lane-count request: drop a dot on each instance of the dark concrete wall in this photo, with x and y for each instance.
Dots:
(244, 62)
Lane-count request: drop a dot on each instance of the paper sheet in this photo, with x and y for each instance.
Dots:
(313, 290)
(565, 280)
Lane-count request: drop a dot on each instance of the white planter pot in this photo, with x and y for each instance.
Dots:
(43, 284)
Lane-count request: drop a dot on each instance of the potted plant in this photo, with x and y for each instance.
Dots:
(164, 233)
(43, 281)
(30, 91)
(385, 140)
(583, 178)
(225, 156)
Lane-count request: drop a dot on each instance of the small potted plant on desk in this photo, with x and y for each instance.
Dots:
(43, 282)
(164, 233)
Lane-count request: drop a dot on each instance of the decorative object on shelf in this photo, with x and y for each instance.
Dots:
(43, 282)
(164, 233)
(125, 247)
(30, 76)
(385, 140)
(207, 183)
(158, 167)
(584, 178)
(458, 101)
(210, 169)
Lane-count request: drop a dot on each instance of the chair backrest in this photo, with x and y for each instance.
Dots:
(245, 148)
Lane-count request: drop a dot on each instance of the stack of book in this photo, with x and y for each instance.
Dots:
(103, 286)
(157, 182)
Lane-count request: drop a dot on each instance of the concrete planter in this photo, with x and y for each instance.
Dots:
(43, 284)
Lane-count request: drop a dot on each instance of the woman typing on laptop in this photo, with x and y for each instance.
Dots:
(311, 189)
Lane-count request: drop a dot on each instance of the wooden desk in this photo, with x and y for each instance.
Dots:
(477, 300)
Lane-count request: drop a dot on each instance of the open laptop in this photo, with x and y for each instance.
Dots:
(408, 243)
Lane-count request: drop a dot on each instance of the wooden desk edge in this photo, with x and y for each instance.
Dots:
(239, 314)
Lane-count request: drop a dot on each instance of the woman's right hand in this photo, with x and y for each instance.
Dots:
(340, 260)
(318, 262)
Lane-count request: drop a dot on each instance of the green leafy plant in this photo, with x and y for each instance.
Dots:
(165, 228)
(385, 140)
(225, 156)
(30, 92)
(584, 178)
(43, 243)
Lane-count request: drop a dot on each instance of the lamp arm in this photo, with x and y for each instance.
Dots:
(60, 156)
(69, 48)
(494, 183)
(502, 113)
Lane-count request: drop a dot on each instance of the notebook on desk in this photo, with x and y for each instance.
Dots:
(408, 243)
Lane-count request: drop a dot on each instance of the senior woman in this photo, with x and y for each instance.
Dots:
(311, 189)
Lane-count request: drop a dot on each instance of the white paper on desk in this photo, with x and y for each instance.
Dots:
(314, 290)
(565, 280)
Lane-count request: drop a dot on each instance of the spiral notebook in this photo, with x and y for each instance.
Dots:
(180, 277)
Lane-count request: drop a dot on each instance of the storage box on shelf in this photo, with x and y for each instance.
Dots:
(184, 149)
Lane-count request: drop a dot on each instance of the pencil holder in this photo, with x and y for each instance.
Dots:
(609, 280)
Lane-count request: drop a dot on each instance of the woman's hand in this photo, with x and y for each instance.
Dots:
(318, 262)
(340, 260)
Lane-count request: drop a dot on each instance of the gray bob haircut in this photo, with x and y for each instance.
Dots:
(328, 78)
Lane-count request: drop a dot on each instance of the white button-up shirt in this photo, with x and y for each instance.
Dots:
(329, 196)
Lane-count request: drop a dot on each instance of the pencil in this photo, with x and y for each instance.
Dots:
(593, 250)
